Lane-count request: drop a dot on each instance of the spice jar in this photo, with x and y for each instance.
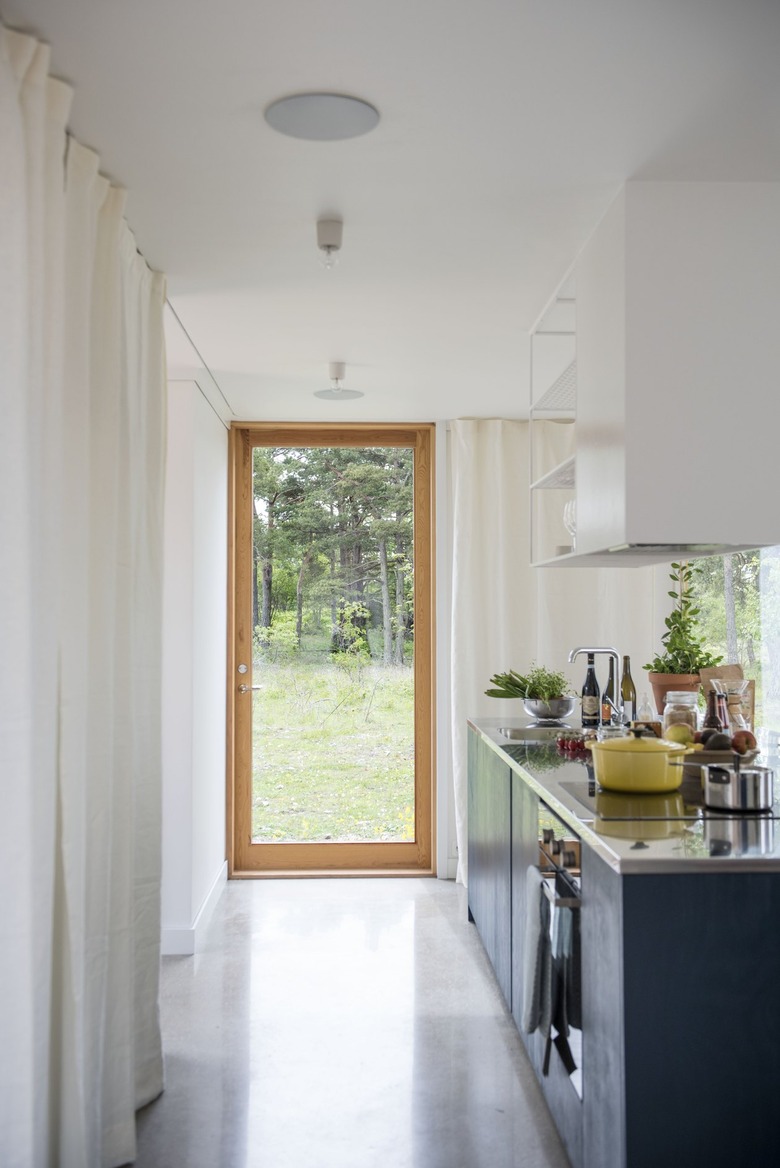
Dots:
(681, 708)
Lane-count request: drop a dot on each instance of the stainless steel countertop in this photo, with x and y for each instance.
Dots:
(691, 843)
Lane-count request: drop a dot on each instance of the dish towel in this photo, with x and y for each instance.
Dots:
(537, 990)
(563, 1003)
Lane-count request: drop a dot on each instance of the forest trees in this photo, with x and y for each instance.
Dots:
(333, 535)
(739, 598)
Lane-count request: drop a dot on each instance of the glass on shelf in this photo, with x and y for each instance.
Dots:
(570, 521)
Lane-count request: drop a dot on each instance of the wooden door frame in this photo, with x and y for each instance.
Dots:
(247, 859)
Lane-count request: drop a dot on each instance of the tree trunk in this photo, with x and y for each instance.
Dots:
(400, 615)
(387, 616)
(268, 576)
(299, 596)
(268, 571)
(732, 652)
(255, 593)
(334, 618)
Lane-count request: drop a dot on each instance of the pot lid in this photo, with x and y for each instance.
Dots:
(639, 745)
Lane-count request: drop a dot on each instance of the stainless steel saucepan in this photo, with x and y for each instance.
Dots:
(738, 788)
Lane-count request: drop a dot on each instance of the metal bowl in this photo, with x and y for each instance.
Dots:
(549, 712)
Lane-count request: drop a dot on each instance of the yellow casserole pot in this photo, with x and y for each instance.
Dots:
(636, 764)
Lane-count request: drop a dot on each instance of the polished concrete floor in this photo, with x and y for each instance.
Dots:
(342, 1024)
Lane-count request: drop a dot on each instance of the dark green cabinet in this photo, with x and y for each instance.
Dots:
(503, 844)
(489, 857)
(680, 975)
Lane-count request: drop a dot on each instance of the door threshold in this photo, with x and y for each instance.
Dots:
(324, 873)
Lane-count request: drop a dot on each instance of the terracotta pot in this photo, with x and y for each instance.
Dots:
(663, 682)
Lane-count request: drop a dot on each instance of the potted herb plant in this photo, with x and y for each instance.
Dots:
(545, 692)
(684, 654)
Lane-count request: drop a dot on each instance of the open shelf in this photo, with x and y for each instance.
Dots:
(561, 396)
(560, 478)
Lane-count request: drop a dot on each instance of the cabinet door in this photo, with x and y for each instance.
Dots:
(490, 857)
(604, 1137)
(525, 852)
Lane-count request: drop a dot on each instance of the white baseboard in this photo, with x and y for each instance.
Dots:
(185, 942)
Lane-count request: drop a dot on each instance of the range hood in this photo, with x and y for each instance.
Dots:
(671, 448)
(637, 555)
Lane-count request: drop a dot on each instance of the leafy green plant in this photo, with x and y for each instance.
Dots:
(683, 643)
(279, 641)
(543, 684)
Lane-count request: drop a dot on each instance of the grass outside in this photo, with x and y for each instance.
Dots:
(333, 751)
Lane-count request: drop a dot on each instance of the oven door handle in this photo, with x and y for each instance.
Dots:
(558, 901)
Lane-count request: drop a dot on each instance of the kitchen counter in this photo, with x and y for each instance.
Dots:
(663, 946)
(692, 840)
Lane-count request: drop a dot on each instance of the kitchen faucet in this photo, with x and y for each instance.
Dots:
(618, 712)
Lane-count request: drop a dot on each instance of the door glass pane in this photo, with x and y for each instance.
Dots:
(333, 645)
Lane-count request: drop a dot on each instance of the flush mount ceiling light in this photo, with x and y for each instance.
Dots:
(329, 232)
(321, 117)
(337, 391)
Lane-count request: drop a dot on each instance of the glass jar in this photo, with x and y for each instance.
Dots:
(681, 707)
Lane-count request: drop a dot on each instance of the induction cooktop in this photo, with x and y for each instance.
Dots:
(684, 804)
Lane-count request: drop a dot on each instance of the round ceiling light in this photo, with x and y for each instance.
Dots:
(321, 117)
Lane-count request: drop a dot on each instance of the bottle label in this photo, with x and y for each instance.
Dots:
(590, 705)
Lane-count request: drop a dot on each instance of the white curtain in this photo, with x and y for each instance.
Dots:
(506, 614)
(81, 452)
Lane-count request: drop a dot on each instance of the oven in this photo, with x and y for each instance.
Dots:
(555, 900)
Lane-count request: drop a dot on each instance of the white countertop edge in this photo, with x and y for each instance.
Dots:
(624, 865)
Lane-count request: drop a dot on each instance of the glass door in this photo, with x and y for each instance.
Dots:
(330, 694)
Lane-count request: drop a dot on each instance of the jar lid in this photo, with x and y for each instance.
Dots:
(682, 697)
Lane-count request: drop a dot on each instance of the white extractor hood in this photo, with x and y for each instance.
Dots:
(677, 415)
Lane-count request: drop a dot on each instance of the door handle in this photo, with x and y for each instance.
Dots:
(246, 688)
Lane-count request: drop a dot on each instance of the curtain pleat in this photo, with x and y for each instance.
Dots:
(82, 376)
(18, 1020)
(493, 587)
(506, 614)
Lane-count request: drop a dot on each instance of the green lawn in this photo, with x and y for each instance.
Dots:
(333, 752)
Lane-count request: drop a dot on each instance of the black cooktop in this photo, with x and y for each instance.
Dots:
(684, 804)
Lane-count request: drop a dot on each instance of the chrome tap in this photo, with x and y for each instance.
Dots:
(618, 712)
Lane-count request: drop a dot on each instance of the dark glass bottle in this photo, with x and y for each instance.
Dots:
(590, 696)
(712, 719)
(609, 695)
(628, 691)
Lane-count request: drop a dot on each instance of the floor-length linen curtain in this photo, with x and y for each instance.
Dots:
(507, 614)
(493, 587)
(81, 452)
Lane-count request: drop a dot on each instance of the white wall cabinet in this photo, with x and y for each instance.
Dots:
(677, 353)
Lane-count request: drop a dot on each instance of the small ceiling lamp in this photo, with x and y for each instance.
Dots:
(329, 232)
(321, 117)
(337, 391)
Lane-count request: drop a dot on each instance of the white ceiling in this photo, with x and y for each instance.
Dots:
(506, 128)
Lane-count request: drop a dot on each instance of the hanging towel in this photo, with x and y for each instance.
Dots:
(537, 988)
(566, 986)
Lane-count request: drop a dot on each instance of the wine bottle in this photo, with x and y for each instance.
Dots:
(712, 719)
(609, 695)
(628, 691)
(590, 696)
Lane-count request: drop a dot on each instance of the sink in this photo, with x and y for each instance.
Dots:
(532, 733)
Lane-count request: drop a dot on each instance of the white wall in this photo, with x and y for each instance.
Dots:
(194, 639)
